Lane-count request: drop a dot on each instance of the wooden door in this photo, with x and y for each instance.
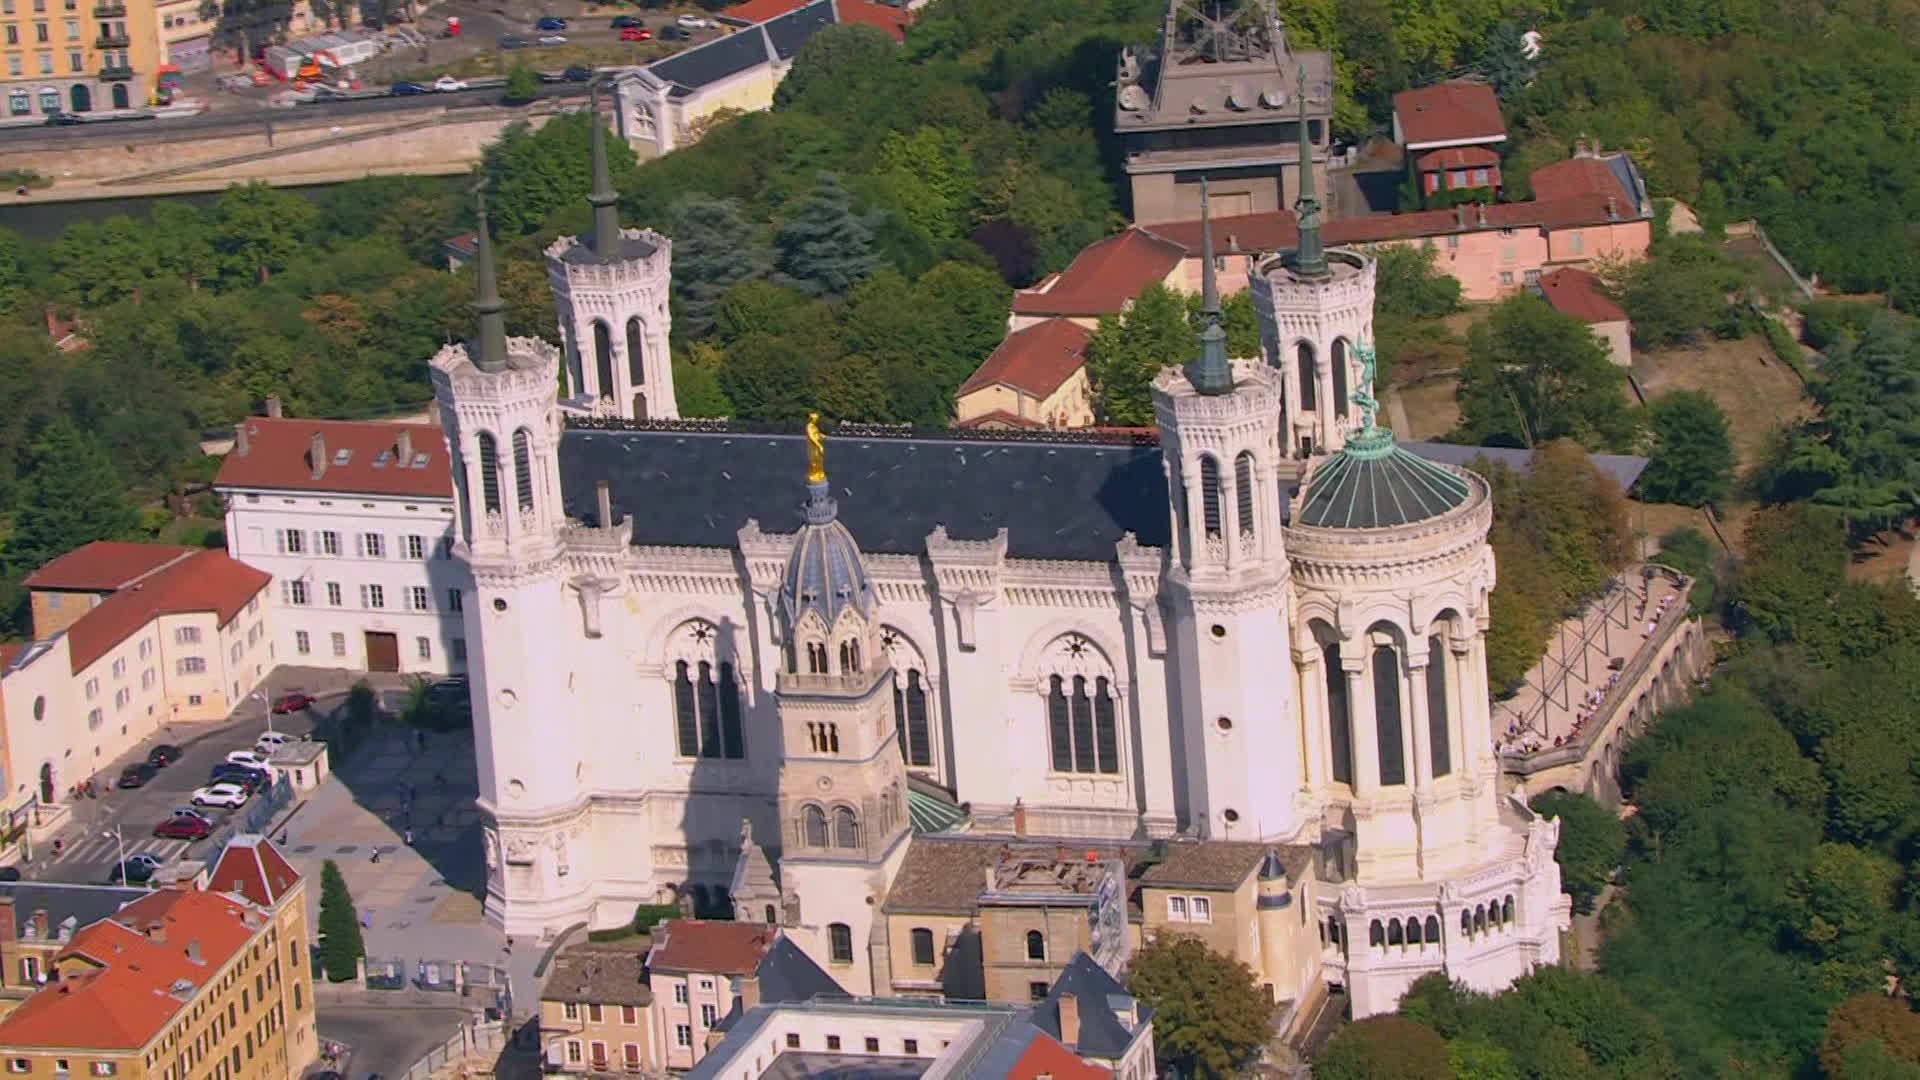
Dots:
(383, 652)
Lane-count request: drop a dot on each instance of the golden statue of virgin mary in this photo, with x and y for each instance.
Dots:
(816, 451)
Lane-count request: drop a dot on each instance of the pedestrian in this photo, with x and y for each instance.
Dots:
(409, 837)
(376, 854)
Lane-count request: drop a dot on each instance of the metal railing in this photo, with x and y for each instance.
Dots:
(476, 1038)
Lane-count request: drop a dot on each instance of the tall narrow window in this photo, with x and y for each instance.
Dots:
(815, 820)
(1210, 495)
(1083, 755)
(1059, 728)
(636, 356)
(922, 946)
(489, 473)
(1036, 945)
(846, 828)
(1309, 377)
(840, 943)
(1180, 519)
(709, 696)
(1105, 733)
(732, 739)
(1243, 489)
(1339, 719)
(523, 468)
(1437, 725)
(1386, 712)
(603, 358)
(816, 658)
(1339, 376)
(846, 658)
(686, 721)
(910, 714)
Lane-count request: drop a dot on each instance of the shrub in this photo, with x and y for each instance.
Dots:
(1384, 1048)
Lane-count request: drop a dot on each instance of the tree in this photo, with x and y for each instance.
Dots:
(1210, 1016)
(256, 231)
(341, 947)
(714, 249)
(823, 247)
(72, 496)
(1679, 290)
(1592, 843)
(849, 388)
(1692, 450)
(532, 175)
(1384, 1048)
(522, 85)
(696, 382)
(1871, 1016)
(1843, 905)
(836, 66)
(1126, 352)
(767, 380)
(1534, 375)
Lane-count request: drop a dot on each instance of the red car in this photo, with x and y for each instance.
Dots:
(183, 828)
(635, 33)
(294, 702)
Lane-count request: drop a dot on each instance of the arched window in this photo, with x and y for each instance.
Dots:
(772, 915)
(840, 943)
(1036, 945)
(816, 658)
(1180, 512)
(1466, 923)
(833, 738)
(523, 468)
(910, 720)
(489, 473)
(922, 946)
(1437, 725)
(1433, 929)
(1210, 495)
(1376, 934)
(603, 358)
(1339, 719)
(815, 824)
(1413, 931)
(849, 657)
(1386, 713)
(1082, 725)
(1506, 910)
(1339, 376)
(1480, 919)
(846, 828)
(636, 356)
(706, 702)
(1243, 489)
(1309, 377)
(1059, 730)
(1333, 929)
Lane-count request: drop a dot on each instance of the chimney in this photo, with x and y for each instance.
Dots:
(317, 455)
(40, 924)
(157, 931)
(1019, 818)
(193, 952)
(749, 992)
(240, 444)
(1613, 209)
(1070, 1020)
(603, 496)
(404, 447)
(273, 406)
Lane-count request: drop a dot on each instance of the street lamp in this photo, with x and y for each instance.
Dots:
(262, 695)
(120, 842)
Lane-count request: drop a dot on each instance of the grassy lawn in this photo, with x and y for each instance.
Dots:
(1430, 408)
(1758, 393)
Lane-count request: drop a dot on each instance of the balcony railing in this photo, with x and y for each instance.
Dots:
(109, 10)
(116, 73)
(112, 41)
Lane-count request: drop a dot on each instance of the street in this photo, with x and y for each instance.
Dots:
(386, 1040)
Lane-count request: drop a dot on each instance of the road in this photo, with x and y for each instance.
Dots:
(386, 1039)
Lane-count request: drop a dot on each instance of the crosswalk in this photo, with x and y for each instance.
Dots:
(104, 849)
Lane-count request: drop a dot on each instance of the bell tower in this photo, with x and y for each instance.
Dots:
(1228, 586)
(843, 784)
(612, 295)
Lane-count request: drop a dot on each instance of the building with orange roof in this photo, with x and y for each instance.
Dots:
(1035, 378)
(167, 635)
(180, 983)
(355, 521)
(1573, 291)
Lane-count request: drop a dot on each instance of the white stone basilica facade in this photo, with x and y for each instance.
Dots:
(677, 628)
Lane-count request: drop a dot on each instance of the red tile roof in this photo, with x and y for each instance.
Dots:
(1580, 176)
(1035, 360)
(708, 945)
(210, 581)
(1457, 157)
(105, 565)
(1578, 293)
(1104, 277)
(1045, 1056)
(1449, 112)
(1276, 231)
(278, 450)
(869, 13)
(137, 957)
(1001, 419)
(252, 867)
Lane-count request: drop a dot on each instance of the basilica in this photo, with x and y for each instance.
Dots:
(1261, 622)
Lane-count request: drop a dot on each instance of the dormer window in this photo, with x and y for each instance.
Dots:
(341, 457)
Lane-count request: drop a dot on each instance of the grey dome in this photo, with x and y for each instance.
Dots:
(1374, 484)
(825, 572)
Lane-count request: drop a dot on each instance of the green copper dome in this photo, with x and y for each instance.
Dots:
(1374, 484)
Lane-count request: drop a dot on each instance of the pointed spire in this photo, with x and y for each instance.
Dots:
(1310, 259)
(1209, 373)
(604, 200)
(488, 349)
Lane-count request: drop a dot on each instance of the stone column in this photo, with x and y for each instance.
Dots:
(1364, 725)
(1230, 512)
(1316, 758)
(1323, 401)
(1417, 722)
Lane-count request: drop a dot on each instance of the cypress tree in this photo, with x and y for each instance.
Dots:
(340, 944)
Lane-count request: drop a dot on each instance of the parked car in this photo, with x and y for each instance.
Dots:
(576, 73)
(134, 776)
(64, 119)
(636, 33)
(513, 41)
(269, 741)
(621, 22)
(674, 33)
(9, 873)
(184, 828)
(408, 89)
(137, 870)
(553, 39)
(163, 755)
(550, 22)
(221, 794)
(190, 812)
(692, 22)
(250, 758)
(299, 700)
(445, 84)
(251, 779)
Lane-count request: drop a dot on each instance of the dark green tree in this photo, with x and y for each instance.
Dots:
(1210, 1016)
(714, 249)
(340, 944)
(1592, 843)
(767, 380)
(1127, 350)
(1384, 1048)
(1534, 375)
(533, 175)
(72, 495)
(1680, 290)
(256, 231)
(823, 247)
(522, 85)
(1693, 455)
(1843, 910)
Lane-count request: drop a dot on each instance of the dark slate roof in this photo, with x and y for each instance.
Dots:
(87, 904)
(1058, 499)
(1101, 1034)
(631, 247)
(788, 974)
(790, 31)
(1357, 489)
(731, 54)
(1624, 468)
